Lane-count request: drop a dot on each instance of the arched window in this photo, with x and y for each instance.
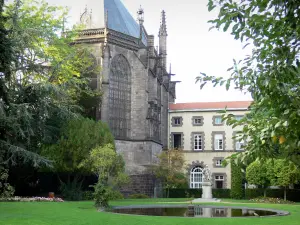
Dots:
(120, 97)
(196, 177)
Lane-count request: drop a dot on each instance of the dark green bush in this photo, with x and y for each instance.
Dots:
(236, 181)
(71, 190)
(137, 196)
(115, 194)
(87, 195)
(292, 194)
(221, 193)
(196, 193)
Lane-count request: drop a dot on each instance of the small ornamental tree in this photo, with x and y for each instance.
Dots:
(282, 173)
(109, 167)
(170, 167)
(256, 173)
(236, 181)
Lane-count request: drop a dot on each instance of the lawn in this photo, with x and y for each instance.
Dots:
(72, 213)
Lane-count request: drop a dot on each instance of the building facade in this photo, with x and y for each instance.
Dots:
(136, 86)
(198, 129)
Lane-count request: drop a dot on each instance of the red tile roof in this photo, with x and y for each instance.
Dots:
(210, 105)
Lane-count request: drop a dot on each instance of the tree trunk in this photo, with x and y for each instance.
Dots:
(284, 193)
(265, 192)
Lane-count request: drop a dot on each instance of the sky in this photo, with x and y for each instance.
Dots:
(192, 48)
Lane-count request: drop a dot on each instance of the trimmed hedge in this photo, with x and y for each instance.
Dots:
(196, 193)
(291, 194)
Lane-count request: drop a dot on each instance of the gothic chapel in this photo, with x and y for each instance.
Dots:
(136, 86)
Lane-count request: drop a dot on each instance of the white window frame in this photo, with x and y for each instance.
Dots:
(219, 162)
(218, 120)
(178, 119)
(198, 146)
(219, 142)
(196, 177)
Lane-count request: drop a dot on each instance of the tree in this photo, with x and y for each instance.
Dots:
(270, 73)
(40, 80)
(282, 173)
(256, 173)
(109, 167)
(78, 138)
(236, 181)
(170, 167)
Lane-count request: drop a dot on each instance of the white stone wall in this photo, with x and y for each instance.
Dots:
(208, 155)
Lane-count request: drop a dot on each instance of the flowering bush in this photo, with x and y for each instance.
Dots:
(32, 199)
(270, 200)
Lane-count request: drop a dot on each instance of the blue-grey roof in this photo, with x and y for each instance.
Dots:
(119, 19)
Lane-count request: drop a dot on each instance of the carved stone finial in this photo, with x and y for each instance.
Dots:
(140, 15)
(163, 25)
(86, 18)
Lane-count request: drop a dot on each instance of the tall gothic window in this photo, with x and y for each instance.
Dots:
(120, 97)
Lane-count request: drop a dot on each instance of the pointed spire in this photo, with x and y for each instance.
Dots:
(163, 25)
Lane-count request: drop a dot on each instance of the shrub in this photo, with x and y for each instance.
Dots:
(6, 190)
(236, 181)
(221, 193)
(72, 190)
(87, 195)
(114, 194)
(197, 193)
(137, 196)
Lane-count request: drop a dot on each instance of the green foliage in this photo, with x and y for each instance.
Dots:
(71, 190)
(169, 168)
(138, 196)
(100, 195)
(236, 181)
(78, 138)
(6, 190)
(197, 193)
(270, 73)
(256, 173)
(277, 172)
(87, 195)
(40, 81)
(282, 173)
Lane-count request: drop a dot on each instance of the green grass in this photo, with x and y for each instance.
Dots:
(73, 213)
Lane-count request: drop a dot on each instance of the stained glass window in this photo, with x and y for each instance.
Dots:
(120, 97)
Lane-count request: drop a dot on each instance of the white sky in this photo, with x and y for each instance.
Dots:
(191, 47)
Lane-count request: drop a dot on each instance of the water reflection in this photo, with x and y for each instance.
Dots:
(194, 211)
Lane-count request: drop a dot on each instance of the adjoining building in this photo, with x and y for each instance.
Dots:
(134, 80)
(197, 128)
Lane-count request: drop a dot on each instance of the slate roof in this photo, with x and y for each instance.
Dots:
(210, 106)
(119, 19)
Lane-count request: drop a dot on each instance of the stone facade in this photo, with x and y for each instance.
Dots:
(197, 157)
(142, 132)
